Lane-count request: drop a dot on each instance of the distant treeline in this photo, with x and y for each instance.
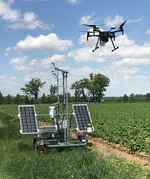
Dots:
(131, 98)
(49, 99)
(24, 99)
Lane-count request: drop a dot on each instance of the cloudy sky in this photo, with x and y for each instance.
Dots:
(35, 33)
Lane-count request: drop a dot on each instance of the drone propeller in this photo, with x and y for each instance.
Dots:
(121, 27)
(94, 26)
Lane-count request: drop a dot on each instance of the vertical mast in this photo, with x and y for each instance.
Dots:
(64, 122)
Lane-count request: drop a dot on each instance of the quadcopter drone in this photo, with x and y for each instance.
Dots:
(104, 36)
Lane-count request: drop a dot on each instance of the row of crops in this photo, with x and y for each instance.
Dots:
(126, 124)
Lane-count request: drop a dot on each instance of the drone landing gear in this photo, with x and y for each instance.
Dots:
(115, 48)
(96, 47)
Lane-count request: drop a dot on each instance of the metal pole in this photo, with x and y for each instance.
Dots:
(67, 108)
(58, 100)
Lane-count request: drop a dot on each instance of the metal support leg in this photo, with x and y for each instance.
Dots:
(115, 48)
(96, 45)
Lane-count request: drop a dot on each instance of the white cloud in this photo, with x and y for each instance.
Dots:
(21, 65)
(45, 77)
(133, 62)
(127, 49)
(119, 76)
(19, 60)
(22, 68)
(34, 63)
(88, 19)
(30, 21)
(83, 72)
(11, 1)
(6, 53)
(50, 42)
(7, 13)
(17, 20)
(73, 1)
(9, 82)
(135, 20)
(55, 58)
(8, 49)
(148, 32)
(118, 20)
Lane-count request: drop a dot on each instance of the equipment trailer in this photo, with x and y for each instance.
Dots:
(61, 134)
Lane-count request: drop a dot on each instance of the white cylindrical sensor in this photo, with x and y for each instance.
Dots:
(52, 111)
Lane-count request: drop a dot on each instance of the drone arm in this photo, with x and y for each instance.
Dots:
(119, 30)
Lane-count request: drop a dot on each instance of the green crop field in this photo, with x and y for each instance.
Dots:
(126, 124)
(19, 161)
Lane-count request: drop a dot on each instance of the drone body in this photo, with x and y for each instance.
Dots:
(104, 36)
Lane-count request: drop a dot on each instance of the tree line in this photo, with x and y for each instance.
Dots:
(89, 89)
(85, 90)
(129, 98)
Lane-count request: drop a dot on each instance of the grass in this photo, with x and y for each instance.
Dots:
(19, 161)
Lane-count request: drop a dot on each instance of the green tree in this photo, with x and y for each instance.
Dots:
(97, 86)
(132, 97)
(76, 86)
(17, 99)
(31, 101)
(26, 100)
(1, 98)
(125, 98)
(148, 96)
(32, 88)
(90, 86)
(120, 99)
(53, 90)
(8, 99)
(82, 86)
(43, 99)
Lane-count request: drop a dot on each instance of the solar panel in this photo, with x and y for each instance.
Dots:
(82, 116)
(28, 120)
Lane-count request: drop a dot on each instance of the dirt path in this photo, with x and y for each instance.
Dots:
(110, 149)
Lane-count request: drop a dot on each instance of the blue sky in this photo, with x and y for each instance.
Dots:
(36, 32)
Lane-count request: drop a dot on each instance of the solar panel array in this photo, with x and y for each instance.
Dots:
(82, 116)
(28, 120)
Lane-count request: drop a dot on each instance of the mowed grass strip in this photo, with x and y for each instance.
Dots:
(19, 161)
